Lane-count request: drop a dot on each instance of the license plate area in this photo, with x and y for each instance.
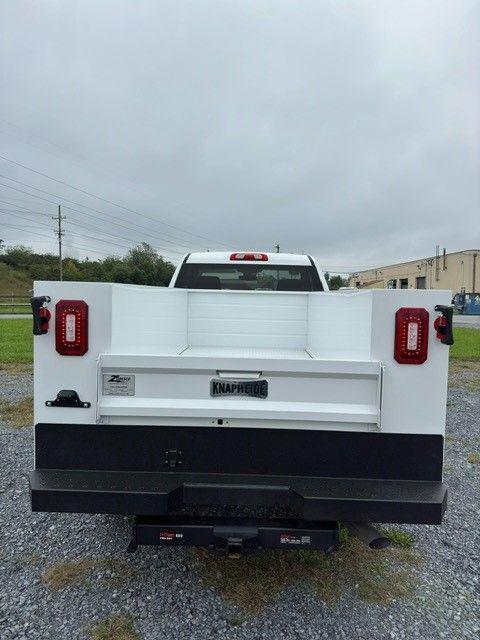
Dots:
(256, 388)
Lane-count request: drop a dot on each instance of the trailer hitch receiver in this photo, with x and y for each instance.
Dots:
(234, 535)
(234, 547)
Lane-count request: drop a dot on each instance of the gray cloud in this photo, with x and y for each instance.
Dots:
(346, 130)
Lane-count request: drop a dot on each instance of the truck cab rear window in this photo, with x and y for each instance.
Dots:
(249, 277)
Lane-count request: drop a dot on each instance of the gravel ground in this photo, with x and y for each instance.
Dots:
(167, 599)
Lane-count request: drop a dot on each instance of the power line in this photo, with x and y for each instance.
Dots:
(93, 195)
(42, 148)
(177, 242)
(326, 267)
(31, 226)
(331, 268)
(35, 213)
(158, 246)
(76, 246)
(166, 250)
(33, 195)
(14, 204)
(116, 236)
(81, 234)
(78, 204)
(45, 143)
(103, 233)
(12, 226)
(109, 242)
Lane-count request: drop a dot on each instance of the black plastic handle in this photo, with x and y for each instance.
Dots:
(40, 324)
(446, 330)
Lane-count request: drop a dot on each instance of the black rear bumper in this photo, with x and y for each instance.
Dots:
(317, 475)
(308, 498)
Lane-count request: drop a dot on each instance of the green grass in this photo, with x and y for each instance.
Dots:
(398, 538)
(115, 627)
(18, 309)
(16, 342)
(17, 414)
(466, 345)
(13, 281)
(113, 572)
(474, 458)
(255, 580)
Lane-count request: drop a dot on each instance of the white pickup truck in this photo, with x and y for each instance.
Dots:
(245, 382)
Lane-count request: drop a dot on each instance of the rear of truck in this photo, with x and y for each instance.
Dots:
(328, 405)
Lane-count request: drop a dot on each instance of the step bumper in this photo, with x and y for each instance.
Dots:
(149, 493)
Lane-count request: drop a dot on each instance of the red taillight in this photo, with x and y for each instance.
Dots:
(71, 327)
(249, 256)
(411, 335)
(44, 315)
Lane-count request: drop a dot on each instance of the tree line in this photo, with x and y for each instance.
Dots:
(141, 265)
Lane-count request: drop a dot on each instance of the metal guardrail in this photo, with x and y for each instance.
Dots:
(14, 303)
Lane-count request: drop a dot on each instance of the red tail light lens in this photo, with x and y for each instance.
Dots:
(71, 327)
(249, 256)
(411, 335)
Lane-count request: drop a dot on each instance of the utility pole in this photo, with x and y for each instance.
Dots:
(277, 248)
(474, 272)
(60, 233)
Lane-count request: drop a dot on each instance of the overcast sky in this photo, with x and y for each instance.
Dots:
(347, 130)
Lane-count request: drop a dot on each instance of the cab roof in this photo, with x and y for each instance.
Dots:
(223, 257)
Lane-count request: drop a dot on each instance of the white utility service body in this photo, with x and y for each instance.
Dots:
(324, 418)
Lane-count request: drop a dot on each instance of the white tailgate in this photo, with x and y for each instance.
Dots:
(302, 392)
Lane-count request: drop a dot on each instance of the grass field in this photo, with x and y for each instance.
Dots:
(23, 309)
(16, 343)
(467, 344)
(14, 282)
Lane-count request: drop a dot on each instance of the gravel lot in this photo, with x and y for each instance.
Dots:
(165, 595)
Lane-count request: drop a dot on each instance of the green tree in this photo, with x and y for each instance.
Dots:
(142, 265)
(71, 271)
(335, 282)
(18, 257)
(147, 267)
